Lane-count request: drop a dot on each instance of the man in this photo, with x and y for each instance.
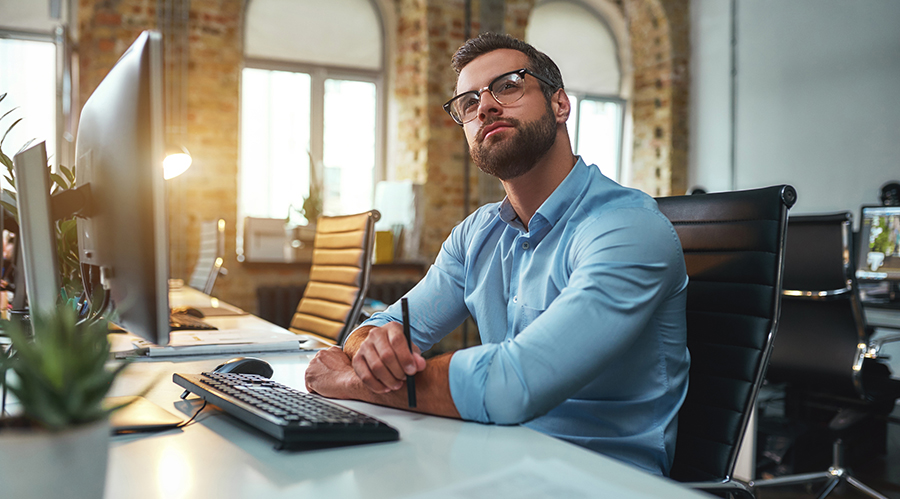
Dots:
(576, 283)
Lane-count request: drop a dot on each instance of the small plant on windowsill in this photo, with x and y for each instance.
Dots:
(313, 203)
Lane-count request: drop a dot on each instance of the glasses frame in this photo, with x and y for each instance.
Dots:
(521, 72)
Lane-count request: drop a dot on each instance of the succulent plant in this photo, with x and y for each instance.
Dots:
(60, 372)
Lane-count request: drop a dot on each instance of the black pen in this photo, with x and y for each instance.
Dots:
(410, 380)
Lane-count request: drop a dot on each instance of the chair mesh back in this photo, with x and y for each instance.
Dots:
(209, 260)
(342, 256)
(733, 248)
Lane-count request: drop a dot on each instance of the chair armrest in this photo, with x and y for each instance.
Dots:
(734, 487)
(874, 347)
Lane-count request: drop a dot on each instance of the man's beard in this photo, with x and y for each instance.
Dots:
(518, 154)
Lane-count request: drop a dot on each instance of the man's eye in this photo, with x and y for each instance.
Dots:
(468, 103)
(506, 86)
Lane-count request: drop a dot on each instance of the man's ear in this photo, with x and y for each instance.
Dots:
(561, 106)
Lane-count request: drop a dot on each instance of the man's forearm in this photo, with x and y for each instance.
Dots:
(352, 343)
(432, 384)
(432, 390)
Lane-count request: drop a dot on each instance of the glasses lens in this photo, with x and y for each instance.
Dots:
(508, 88)
(465, 106)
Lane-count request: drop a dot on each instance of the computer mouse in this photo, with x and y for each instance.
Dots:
(246, 365)
(189, 311)
(242, 365)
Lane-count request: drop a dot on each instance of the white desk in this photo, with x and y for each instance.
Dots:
(221, 457)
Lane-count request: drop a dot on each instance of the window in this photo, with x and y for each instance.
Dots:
(595, 129)
(589, 63)
(311, 106)
(29, 82)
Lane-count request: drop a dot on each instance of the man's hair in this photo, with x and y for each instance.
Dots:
(489, 42)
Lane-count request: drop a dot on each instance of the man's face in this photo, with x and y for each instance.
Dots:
(506, 141)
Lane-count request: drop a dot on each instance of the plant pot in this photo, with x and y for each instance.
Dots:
(40, 463)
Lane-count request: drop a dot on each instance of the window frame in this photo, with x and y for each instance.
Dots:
(620, 139)
(60, 153)
(318, 74)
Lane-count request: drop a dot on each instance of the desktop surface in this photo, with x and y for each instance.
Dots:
(221, 457)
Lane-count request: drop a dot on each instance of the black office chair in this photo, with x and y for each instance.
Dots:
(824, 354)
(211, 257)
(733, 246)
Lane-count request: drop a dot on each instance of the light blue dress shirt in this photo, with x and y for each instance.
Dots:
(581, 317)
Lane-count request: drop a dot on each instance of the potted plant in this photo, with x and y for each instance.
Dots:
(66, 229)
(57, 443)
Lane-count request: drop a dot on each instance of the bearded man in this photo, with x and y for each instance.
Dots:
(577, 285)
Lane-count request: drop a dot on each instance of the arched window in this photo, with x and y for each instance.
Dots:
(311, 94)
(581, 43)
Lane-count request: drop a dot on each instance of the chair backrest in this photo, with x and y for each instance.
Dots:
(822, 323)
(733, 246)
(211, 256)
(339, 277)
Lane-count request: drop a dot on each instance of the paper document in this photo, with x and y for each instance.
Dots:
(222, 341)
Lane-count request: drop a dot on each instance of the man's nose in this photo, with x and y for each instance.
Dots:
(488, 105)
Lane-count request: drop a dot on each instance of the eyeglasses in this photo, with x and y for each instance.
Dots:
(506, 89)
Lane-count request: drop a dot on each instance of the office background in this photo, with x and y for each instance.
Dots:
(811, 102)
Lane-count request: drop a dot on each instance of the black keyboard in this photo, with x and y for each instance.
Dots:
(296, 419)
(183, 321)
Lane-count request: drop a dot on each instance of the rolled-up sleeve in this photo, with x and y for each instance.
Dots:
(436, 304)
(617, 271)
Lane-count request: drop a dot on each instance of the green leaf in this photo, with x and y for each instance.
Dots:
(60, 181)
(69, 173)
(8, 112)
(8, 130)
(13, 209)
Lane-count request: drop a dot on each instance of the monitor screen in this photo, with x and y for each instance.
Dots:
(879, 243)
(119, 152)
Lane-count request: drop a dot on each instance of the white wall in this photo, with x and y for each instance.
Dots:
(817, 98)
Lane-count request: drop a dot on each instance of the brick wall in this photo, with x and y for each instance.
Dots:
(429, 147)
(659, 52)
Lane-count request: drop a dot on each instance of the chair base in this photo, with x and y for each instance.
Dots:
(835, 475)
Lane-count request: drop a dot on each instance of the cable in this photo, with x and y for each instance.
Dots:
(185, 423)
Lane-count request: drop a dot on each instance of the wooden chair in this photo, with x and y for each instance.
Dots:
(341, 262)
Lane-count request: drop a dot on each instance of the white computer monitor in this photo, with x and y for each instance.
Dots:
(119, 151)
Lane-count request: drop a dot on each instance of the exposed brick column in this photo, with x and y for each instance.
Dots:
(430, 145)
(660, 58)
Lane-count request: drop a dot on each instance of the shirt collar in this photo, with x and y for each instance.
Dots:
(553, 208)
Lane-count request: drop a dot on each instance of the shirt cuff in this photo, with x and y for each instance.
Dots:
(468, 374)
